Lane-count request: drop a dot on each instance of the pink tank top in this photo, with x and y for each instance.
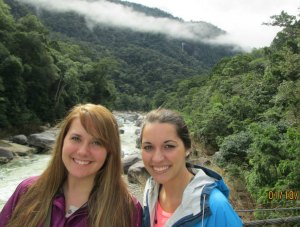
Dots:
(161, 216)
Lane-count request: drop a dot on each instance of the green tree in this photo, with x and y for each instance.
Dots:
(31, 23)
(11, 70)
(234, 148)
(100, 89)
(7, 20)
(288, 168)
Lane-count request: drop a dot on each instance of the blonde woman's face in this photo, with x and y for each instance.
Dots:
(163, 152)
(82, 154)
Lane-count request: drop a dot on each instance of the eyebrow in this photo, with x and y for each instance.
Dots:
(167, 141)
(75, 134)
(146, 142)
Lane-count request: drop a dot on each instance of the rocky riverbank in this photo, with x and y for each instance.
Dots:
(19, 146)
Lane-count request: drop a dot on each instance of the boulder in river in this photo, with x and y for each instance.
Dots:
(44, 140)
(20, 139)
(137, 173)
(5, 156)
(9, 150)
(129, 161)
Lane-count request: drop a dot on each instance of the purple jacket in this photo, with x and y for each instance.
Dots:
(58, 219)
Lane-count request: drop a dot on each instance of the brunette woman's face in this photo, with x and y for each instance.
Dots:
(163, 152)
(82, 154)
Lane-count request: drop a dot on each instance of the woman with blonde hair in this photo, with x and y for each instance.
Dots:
(83, 184)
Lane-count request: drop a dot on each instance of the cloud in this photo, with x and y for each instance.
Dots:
(117, 15)
(241, 19)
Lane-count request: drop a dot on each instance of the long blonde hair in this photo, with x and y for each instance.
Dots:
(110, 203)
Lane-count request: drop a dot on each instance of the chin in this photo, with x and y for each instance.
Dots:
(160, 180)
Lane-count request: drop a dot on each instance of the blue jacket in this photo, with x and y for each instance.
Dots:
(204, 203)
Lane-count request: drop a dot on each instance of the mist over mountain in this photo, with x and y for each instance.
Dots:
(118, 23)
(138, 54)
(131, 16)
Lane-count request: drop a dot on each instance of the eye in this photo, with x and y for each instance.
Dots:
(169, 146)
(147, 148)
(97, 143)
(75, 138)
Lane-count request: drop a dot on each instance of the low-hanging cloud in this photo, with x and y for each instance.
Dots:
(117, 15)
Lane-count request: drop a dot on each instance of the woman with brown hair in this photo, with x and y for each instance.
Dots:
(82, 185)
(179, 193)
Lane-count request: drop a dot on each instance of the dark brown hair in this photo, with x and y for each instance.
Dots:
(162, 115)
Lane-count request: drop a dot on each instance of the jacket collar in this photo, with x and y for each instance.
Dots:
(195, 200)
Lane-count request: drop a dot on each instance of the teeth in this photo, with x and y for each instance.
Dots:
(160, 168)
(81, 162)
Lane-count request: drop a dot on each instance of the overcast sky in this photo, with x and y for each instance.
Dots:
(242, 19)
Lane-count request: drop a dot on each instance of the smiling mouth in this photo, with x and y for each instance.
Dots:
(81, 162)
(160, 169)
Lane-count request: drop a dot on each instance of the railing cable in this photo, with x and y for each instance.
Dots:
(274, 221)
(270, 209)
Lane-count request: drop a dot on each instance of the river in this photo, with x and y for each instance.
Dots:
(12, 173)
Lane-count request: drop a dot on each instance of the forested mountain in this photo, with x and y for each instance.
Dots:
(247, 111)
(51, 61)
(40, 78)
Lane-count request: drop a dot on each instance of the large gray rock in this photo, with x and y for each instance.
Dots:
(20, 139)
(132, 117)
(5, 156)
(129, 161)
(9, 150)
(43, 141)
(137, 174)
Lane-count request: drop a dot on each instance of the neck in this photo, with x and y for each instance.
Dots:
(77, 191)
(171, 193)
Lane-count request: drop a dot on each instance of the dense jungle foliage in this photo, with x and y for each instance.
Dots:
(53, 61)
(246, 110)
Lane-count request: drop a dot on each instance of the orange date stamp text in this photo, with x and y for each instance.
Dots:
(287, 195)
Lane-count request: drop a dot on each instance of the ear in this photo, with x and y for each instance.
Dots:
(187, 153)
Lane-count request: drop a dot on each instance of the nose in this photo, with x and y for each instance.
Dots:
(83, 149)
(157, 156)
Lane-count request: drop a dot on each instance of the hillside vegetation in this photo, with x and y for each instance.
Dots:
(51, 61)
(247, 112)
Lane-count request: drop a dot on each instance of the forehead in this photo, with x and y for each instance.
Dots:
(76, 124)
(84, 124)
(159, 130)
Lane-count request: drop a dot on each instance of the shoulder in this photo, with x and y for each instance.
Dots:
(27, 182)
(218, 201)
(13, 200)
(217, 197)
(24, 185)
(222, 211)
